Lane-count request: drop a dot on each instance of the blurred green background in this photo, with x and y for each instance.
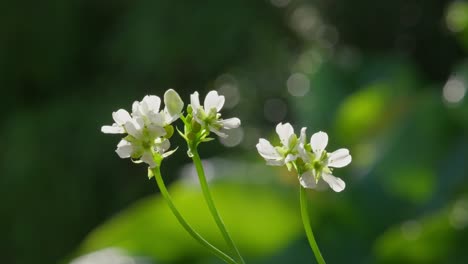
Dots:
(386, 79)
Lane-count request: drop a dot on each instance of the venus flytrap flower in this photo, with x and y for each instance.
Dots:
(148, 132)
(120, 117)
(317, 163)
(311, 162)
(287, 152)
(208, 116)
(148, 129)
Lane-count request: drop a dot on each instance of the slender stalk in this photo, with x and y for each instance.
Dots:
(209, 200)
(308, 228)
(183, 222)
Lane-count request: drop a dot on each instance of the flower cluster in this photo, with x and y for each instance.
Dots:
(148, 128)
(310, 160)
(203, 119)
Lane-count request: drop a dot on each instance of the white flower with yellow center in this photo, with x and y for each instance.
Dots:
(208, 116)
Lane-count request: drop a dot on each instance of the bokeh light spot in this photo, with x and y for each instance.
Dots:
(305, 21)
(309, 61)
(226, 85)
(459, 214)
(234, 138)
(188, 173)
(105, 256)
(251, 136)
(280, 3)
(298, 84)
(454, 91)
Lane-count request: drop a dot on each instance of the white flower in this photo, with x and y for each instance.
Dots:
(310, 160)
(289, 149)
(148, 109)
(207, 115)
(136, 149)
(120, 117)
(318, 163)
(146, 128)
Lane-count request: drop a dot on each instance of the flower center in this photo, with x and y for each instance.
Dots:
(317, 165)
(146, 144)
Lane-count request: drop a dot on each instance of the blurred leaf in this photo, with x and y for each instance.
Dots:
(362, 113)
(385, 92)
(431, 239)
(425, 241)
(259, 220)
(413, 183)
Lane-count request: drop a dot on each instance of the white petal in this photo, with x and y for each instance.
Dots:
(121, 116)
(339, 158)
(195, 101)
(156, 130)
(173, 104)
(163, 144)
(319, 142)
(231, 123)
(124, 149)
(267, 151)
(335, 183)
(290, 157)
(275, 162)
(303, 153)
(302, 137)
(217, 132)
(284, 132)
(147, 158)
(198, 119)
(213, 100)
(150, 103)
(307, 180)
(133, 127)
(157, 118)
(136, 108)
(114, 129)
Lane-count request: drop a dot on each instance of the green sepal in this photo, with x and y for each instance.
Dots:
(189, 109)
(196, 127)
(182, 117)
(169, 131)
(170, 152)
(181, 134)
(207, 139)
(294, 165)
(292, 141)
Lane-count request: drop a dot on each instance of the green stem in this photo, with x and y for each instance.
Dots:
(308, 228)
(209, 200)
(162, 187)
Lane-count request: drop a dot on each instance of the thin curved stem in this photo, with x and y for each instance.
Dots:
(209, 200)
(162, 187)
(308, 228)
